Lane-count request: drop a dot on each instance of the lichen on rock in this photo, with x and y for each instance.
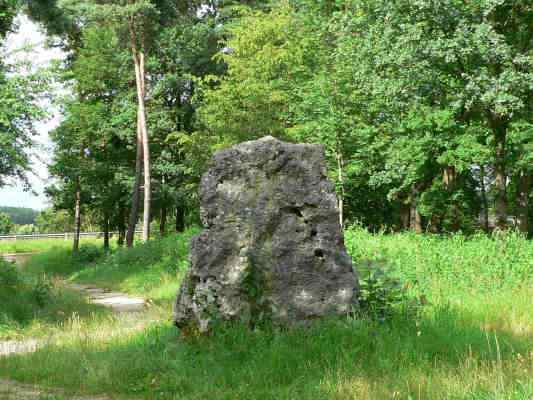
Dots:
(272, 250)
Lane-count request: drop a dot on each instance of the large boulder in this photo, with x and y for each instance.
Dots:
(273, 249)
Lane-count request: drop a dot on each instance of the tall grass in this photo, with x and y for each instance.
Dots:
(33, 305)
(471, 339)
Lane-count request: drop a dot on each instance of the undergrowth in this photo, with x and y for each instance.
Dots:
(34, 304)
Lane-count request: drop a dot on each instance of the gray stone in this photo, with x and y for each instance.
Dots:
(272, 250)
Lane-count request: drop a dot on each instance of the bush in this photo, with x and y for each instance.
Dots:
(20, 296)
(89, 253)
(381, 294)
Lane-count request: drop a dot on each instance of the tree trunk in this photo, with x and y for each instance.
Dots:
(106, 233)
(405, 215)
(163, 221)
(484, 202)
(499, 129)
(416, 218)
(77, 217)
(138, 59)
(342, 194)
(121, 237)
(121, 226)
(524, 186)
(180, 218)
(134, 211)
(450, 181)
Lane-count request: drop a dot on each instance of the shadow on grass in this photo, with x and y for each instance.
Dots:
(442, 355)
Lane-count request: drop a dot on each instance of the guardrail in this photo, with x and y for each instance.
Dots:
(64, 236)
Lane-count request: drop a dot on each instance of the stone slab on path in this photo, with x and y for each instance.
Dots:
(118, 302)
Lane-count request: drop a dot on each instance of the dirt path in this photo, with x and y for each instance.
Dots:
(10, 390)
(118, 302)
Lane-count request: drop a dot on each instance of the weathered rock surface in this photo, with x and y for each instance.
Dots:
(273, 249)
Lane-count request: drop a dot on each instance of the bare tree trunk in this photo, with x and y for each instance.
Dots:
(524, 186)
(180, 218)
(499, 129)
(138, 59)
(342, 195)
(134, 211)
(121, 226)
(146, 160)
(77, 217)
(416, 218)
(405, 215)
(450, 181)
(484, 202)
(106, 232)
(163, 221)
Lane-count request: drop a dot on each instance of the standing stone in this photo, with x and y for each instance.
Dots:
(273, 249)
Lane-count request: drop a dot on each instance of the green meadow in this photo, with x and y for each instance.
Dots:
(442, 317)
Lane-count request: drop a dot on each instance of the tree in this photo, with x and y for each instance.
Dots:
(8, 10)
(20, 94)
(5, 224)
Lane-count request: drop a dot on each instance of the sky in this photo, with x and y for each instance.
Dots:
(14, 195)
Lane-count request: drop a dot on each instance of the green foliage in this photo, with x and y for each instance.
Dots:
(8, 10)
(153, 270)
(21, 91)
(25, 229)
(420, 100)
(6, 225)
(455, 264)
(33, 305)
(381, 296)
(20, 296)
(52, 221)
(88, 253)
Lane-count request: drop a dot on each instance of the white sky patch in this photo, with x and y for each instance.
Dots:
(28, 44)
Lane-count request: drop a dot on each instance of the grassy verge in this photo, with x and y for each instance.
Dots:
(31, 246)
(471, 339)
(32, 305)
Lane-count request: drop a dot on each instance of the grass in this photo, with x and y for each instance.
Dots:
(40, 245)
(471, 339)
(33, 305)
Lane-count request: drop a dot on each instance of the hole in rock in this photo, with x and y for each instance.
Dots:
(319, 253)
(314, 232)
(294, 210)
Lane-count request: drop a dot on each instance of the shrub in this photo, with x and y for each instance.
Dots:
(89, 253)
(20, 296)
(381, 294)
